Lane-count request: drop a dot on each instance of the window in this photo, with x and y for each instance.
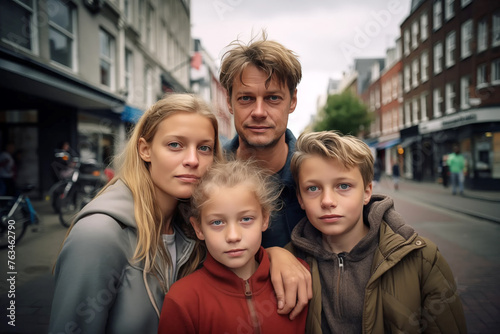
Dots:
(424, 64)
(466, 39)
(107, 57)
(438, 102)
(495, 71)
(450, 49)
(407, 78)
(406, 42)
(407, 114)
(18, 23)
(148, 86)
(62, 33)
(438, 58)
(423, 107)
(450, 98)
(465, 3)
(481, 76)
(127, 10)
(415, 111)
(395, 88)
(482, 35)
(414, 76)
(464, 92)
(438, 10)
(150, 28)
(449, 10)
(495, 29)
(424, 26)
(414, 35)
(129, 68)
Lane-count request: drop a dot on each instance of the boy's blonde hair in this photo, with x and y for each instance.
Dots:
(348, 150)
(269, 56)
(233, 173)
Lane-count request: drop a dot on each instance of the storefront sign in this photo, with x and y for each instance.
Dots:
(460, 119)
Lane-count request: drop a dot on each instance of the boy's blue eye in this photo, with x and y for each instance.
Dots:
(246, 219)
(344, 186)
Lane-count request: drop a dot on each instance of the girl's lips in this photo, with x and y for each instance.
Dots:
(235, 252)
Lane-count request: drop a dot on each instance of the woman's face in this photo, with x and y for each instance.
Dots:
(179, 154)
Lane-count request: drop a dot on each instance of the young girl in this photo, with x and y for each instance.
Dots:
(232, 293)
(130, 243)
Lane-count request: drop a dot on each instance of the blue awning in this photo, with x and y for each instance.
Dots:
(131, 114)
(388, 144)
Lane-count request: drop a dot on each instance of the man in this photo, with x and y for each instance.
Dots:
(456, 164)
(261, 80)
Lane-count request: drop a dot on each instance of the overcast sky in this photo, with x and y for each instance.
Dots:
(326, 34)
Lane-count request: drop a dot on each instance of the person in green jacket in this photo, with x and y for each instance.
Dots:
(371, 272)
(456, 164)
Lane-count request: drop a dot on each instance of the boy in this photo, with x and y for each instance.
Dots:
(371, 272)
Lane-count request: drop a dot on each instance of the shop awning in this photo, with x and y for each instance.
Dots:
(131, 114)
(388, 144)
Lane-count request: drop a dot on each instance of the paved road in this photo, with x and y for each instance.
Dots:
(465, 229)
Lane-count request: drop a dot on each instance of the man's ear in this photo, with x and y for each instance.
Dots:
(144, 150)
(293, 102)
(197, 229)
(368, 193)
(229, 105)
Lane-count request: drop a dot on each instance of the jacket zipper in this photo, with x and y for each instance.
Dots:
(341, 257)
(251, 308)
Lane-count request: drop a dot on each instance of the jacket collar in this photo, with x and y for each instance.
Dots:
(227, 281)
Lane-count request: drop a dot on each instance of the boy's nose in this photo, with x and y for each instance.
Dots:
(328, 200)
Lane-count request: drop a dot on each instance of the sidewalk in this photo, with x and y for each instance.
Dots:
(481, 204)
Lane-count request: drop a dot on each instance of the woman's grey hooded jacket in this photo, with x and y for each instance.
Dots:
(97, 288)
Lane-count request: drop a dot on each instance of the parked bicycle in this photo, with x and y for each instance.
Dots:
(74, 193)
(16, 214)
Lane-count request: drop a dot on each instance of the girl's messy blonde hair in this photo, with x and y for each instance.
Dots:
(232, 173)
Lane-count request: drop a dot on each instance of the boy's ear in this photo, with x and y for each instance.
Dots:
(144, 150)
(299, 197)
(197, 229)
(368, 193)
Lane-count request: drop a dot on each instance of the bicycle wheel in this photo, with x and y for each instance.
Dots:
(12, 227)
(69, 207)
(56, 196)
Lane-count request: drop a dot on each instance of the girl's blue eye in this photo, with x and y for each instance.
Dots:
(174, 145)
(217, 222)
(246, 219)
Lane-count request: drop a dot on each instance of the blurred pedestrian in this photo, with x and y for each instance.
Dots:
(456, 163)
(395, 175)
(444, 170)
(7, 170)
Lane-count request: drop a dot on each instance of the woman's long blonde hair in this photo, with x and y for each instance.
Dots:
(134, 172)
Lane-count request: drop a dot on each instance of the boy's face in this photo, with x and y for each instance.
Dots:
(231, 224)
(333, 198)
(260, 112)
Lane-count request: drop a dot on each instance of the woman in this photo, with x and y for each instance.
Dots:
(114, 268)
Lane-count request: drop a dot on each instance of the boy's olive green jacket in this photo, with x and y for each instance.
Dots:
(411, 289)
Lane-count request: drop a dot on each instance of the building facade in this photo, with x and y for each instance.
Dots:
(451, 76)
(83, 72)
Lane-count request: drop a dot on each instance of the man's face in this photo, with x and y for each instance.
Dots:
(260, 113)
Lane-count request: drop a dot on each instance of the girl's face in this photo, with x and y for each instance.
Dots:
(232, 222)
(179, 154)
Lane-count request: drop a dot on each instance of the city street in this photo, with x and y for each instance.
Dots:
(466, 229)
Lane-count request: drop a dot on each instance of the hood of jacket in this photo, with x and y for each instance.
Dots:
(116, 202)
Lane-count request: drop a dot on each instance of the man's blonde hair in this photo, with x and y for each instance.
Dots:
(269, 56)
(350, 151)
